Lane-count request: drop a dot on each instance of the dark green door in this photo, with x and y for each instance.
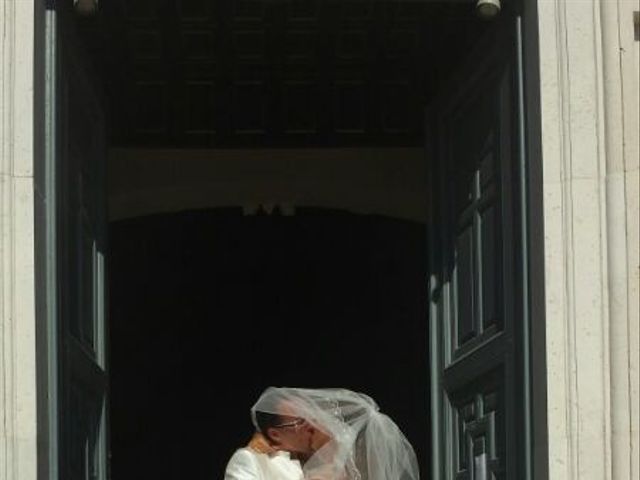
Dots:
(477, 287)
(75, 179)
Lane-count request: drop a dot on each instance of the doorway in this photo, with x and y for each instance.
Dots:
(210, 307)
(183, 75)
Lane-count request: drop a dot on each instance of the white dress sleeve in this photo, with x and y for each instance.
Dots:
(242, 466)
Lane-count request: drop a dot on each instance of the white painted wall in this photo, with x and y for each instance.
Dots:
(18, 443)
(384, 181)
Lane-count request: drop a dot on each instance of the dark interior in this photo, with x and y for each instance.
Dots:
(208, 308)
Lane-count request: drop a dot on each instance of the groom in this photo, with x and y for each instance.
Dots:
(276, 451)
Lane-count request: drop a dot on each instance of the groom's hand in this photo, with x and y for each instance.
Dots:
(260, 444)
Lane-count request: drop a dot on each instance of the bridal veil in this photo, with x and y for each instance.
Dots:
(360, 442)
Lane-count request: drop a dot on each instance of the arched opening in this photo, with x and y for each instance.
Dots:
(210, 307)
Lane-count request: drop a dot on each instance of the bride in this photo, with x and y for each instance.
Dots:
(330, 434)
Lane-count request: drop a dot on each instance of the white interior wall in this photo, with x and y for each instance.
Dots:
(385, 181)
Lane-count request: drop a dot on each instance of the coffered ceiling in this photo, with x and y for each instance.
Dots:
(266, 73)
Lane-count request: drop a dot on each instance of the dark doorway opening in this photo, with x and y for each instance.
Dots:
(208, 308)
(196, 101)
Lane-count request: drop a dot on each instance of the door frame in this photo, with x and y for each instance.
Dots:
(47, 419)
(535, 237)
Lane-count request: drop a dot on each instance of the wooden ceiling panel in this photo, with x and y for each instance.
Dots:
(202, 73)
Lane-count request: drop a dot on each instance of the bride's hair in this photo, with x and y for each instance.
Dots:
(264, 421)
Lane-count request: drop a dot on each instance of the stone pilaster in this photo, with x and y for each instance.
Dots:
(591, 266)
(17, 292)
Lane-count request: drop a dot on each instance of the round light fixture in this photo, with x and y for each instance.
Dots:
(488, 9)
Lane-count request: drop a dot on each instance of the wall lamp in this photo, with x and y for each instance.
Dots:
(488, 9)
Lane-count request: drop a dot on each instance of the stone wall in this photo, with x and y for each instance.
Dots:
(590, 161)
(17, 292)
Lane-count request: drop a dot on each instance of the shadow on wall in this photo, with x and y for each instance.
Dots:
(208, 308)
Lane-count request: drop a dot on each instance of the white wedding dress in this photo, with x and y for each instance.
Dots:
(246, 464)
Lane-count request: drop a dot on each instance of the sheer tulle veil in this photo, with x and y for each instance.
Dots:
(361, 443)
